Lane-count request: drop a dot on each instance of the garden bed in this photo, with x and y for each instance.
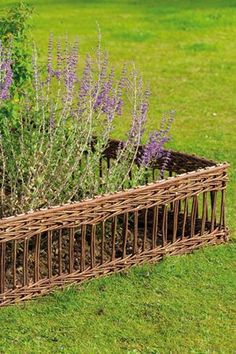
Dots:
(68, 244)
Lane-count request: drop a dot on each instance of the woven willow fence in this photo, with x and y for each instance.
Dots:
(75, 242)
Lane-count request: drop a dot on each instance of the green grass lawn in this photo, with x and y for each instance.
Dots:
(183, 305)
(186, 50)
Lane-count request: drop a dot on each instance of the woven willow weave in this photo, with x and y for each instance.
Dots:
(68, 244)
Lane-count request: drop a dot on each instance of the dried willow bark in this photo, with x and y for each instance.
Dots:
(145, 229)
(83, 236)
(125, 233)
(37, 258)
(113, 235)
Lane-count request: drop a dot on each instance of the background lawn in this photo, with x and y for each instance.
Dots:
(186, 50)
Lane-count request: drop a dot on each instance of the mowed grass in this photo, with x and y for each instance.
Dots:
(186, 51)
(183, 305)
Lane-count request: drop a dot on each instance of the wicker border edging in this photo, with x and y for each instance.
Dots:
(151, 256)
(67, 244)
(98, 208)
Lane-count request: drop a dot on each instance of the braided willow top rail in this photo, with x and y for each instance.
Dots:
(100, 208)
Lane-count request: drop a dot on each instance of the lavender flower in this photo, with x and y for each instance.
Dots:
(85, 86)
(50, 54)
(106, 99)
(58, 71)
(6, 74)
(70, 74)
(154, 148)
(167, 158)
(139, 115)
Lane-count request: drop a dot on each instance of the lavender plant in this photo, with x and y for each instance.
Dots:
(49, 154)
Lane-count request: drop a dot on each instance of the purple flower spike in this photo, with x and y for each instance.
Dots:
(6, 74)
(167, 158)
(154, 148)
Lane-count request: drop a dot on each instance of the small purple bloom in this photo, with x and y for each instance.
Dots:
(154, 148)
(6, 74)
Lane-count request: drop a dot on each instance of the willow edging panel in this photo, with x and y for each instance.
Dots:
(67, 244)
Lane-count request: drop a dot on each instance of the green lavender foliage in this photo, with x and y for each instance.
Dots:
(48, 154)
